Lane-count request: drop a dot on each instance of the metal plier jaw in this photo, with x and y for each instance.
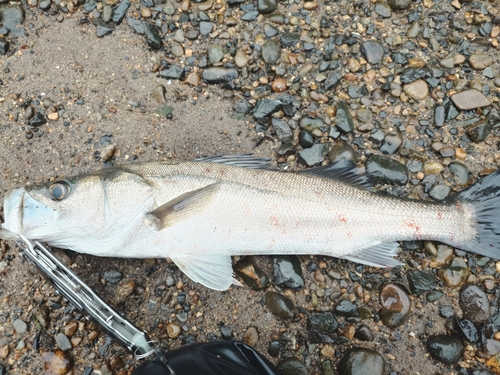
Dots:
(67, 283)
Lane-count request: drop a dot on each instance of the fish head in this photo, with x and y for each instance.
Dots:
(84, 213)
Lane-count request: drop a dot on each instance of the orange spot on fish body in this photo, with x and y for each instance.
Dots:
(343, 218)
(414, 226)
(208, 170)
(440, 215)
(274, 221)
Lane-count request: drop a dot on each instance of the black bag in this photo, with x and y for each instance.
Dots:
(214, 358)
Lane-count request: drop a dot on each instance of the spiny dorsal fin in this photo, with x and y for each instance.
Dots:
(343, 171)
(181, 208)
(238, 160)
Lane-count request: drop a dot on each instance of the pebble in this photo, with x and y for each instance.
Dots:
(279, 85)
(37, 120)
(173, 330)
(251, 336)
(287, 272)
(120, 11)
(219, 75)
(265, 108)
(417, 90)
(480, 61)
(63, 341)
(283, 131)
(420, 281)
(364, 333)
(470, 99)
(292, 366)
(399, 4)
(455, 274)
(313, 155)
(112, 276)
(241, 59)
(193, 79)
(391, 143)
(479, 131)
(20, 326)
(396, 305)
(70, 328)
(279, 305)
(158, 94)
(173, 72)
(123, 291)
(57, 362)
(12, 16)
(103, 28)
(439, 192)
(324, 323)
(386, 170)
(343, 118)
(474, 304)
(359, 361)
(270, 51)
(206, 27)
(152, 34)
(373, 52)
(467, 329)
(267, 6)
(346, 308)
(444, 348)
(251, 273)
(306, 140)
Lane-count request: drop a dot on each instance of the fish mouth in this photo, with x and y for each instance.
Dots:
(25, 215)
(13, 210)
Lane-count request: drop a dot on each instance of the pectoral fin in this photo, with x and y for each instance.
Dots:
(213, 271)
(181, 208)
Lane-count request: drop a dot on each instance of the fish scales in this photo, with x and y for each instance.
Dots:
(200, 213)
(258, 212)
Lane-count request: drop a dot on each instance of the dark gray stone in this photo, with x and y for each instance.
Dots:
(267, 6)
(174, 72)
(206, 27)
(283, 131)
(120, 11)
(219, 75)
(314, 155)
(287, 272)
(372, 51)
(279, 305)
(444, 348)
(474, 304)
(265, 108)
(270, 51)
(152, 35)
(386, 170)
(103, 28)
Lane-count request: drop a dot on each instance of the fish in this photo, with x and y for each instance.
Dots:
(200, 213)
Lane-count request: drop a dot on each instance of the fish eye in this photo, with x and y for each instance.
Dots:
(59, 190)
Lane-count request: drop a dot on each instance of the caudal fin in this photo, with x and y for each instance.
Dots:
(485, 197)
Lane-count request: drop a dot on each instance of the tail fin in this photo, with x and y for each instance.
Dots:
(484, 195)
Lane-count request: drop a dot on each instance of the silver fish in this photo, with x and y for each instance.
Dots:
(200, 213)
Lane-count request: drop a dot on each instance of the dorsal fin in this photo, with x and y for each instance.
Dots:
(343, 171)
(238, 160)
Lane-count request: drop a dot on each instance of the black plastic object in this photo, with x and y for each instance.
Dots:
(215, 358)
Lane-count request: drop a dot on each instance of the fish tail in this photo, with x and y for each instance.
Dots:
(484, 196)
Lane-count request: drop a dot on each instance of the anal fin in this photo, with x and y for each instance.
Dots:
(377, 256)
(213, 271)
